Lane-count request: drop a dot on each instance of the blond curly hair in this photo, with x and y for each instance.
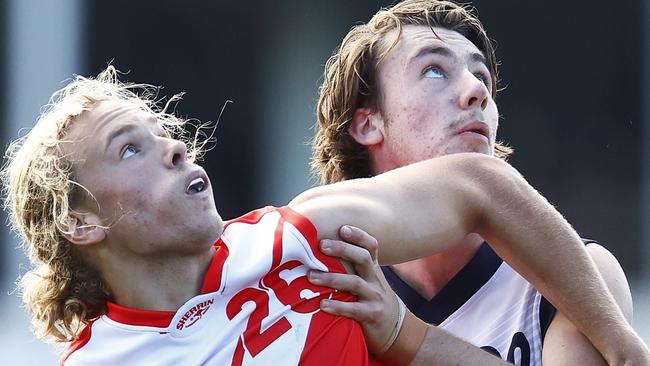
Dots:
(61, 290)
(350, 80)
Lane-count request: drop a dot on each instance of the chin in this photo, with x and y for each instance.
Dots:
(479, 148)
(469, 149)
(209, 231)
(204, 230)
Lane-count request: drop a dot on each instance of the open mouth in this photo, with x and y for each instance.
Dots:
(477, 128)
(478, 132)
(197, 185)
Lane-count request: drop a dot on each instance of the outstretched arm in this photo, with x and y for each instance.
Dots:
(466, 193)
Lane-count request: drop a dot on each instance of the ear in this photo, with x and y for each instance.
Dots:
(367, 127)
(83, 228)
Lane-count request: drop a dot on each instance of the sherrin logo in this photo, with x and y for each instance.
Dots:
(194, 314)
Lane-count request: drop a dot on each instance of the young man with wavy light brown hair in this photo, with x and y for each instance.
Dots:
(418, 81)
(132, 263)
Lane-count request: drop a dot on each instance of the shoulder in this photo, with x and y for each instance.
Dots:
(272, 221)
(562, 334)
(614, 276)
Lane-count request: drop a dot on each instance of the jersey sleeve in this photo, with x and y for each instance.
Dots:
(307, 230)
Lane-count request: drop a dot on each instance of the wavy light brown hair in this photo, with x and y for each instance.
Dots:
(351, 80)
(62, 292)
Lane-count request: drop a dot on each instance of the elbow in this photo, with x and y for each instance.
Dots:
(480, 167)
(491, 185)
(493, 175)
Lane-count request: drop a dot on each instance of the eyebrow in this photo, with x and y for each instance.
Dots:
(446, 52)
(124, 129)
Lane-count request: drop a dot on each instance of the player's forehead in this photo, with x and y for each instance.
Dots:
(106, 116)
(90, 132)
(417, 41)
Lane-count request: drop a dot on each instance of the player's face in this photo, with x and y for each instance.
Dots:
(436, 98)
(152, 198)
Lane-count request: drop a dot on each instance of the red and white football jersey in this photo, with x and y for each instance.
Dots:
(256, 307)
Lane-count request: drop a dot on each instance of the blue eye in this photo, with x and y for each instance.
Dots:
(128, 151)
(485, 79)
(433, 72)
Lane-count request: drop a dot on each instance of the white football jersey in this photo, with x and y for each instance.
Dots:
(502, 317)
(488, 304)
(255, 307)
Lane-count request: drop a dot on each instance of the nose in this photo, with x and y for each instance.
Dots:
(473, 92)
(176, 153)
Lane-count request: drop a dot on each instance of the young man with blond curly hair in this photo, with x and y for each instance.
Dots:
(418, 81)
(134, 265)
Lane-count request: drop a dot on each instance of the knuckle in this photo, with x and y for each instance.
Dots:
(373, 244)
(377, 293)
(375, 312)
(358, 283)
(366, 258)
(356, 232)
(360, 313)
(354, 312)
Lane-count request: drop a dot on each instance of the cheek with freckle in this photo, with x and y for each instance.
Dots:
(136, 203)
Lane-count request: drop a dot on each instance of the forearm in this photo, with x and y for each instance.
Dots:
(488, 196)
(527, 232)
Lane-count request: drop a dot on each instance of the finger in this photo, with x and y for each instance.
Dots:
(355, 310)
(359, 257)
(345, 282)
(356, 236)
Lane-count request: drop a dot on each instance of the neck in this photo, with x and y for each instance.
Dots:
(156, 284)
(427, 276)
